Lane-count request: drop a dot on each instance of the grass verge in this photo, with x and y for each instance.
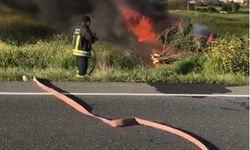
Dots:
(136, 75)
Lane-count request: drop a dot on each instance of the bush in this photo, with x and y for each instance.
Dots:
(226, 7)
(215, 2)
(235, 6)
(201, 9)
(231, 54)
(211, 9)
(177, 4)
(231, 6)
(207, 9)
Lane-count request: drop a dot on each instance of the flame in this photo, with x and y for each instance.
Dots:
(210, 38)
(140, 25)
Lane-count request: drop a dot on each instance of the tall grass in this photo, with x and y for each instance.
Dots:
(55, 53)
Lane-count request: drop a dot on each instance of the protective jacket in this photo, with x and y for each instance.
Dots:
(82, 42)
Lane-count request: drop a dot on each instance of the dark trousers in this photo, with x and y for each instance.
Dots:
(82, 65)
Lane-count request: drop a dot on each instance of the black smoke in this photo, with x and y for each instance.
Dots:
(106, 20)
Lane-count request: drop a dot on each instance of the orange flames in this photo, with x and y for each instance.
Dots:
(143, 29)
(140, 25)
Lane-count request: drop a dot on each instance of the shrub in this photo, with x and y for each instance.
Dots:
(201, 9)
(231, 6)
(235, 6)
(177, 4)
(207, 9)
(231, 54)
(211, 9)
(226, 7)
(215, 2)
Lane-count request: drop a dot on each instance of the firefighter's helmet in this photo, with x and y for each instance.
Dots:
(86, 19)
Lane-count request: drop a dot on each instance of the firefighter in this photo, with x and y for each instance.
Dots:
(83, 39)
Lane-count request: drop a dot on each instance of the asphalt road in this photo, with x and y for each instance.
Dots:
(43, 122)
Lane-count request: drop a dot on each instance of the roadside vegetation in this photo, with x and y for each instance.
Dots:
(33, 49)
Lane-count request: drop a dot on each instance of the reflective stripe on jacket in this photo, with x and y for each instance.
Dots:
(77, 45)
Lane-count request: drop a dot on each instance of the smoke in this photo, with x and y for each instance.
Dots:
(200, 30)
(107, 22)
(157, 12)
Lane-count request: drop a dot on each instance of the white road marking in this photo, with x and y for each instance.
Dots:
(127, 94)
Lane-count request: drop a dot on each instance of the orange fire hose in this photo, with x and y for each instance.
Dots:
(122, 122)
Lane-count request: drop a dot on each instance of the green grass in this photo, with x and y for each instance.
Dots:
(136, 75)
(222, 24)
(54, 61)
(33, 49)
